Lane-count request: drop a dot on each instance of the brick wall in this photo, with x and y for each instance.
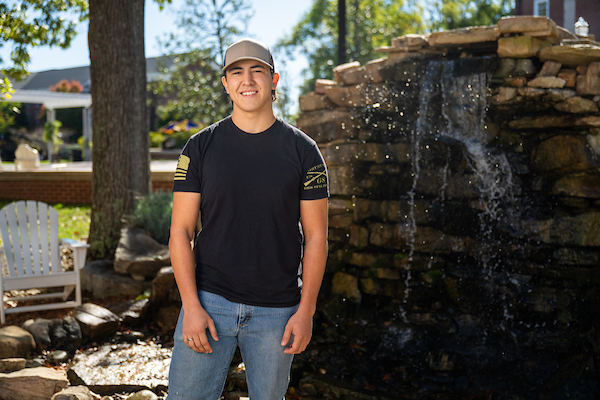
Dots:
(60, 187)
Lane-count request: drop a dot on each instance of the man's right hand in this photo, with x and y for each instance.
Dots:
(195, 324)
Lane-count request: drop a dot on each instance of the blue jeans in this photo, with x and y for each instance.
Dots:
(256, 330)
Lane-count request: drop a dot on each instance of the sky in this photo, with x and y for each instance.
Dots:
(272, 20)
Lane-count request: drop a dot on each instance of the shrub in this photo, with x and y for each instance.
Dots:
(153, 214)
(156, 139)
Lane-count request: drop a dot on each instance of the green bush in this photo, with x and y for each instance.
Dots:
(156, 139)
(153, 214)
(182, 137)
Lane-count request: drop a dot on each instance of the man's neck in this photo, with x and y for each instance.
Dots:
(253, 122)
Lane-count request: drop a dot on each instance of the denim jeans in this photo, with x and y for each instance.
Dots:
(256, 330)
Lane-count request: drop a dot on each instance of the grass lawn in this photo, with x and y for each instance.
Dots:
(73, 221)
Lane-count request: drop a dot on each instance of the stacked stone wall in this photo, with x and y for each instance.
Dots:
(414, 246)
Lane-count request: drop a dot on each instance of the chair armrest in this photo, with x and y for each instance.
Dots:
(79, 251)
(73, 244)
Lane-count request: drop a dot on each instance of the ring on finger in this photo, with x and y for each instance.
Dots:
(190, 339)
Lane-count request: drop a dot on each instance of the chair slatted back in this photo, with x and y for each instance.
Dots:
(29, 232)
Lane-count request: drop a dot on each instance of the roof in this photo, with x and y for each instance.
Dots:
(52, 100)
(36, 87)
(44, 79)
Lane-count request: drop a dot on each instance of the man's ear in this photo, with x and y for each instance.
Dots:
(224, 82)
(275, 80)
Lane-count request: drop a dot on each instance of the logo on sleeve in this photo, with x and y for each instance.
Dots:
(182, 168)
(316, 177)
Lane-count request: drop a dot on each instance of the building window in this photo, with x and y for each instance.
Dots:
(540, 8)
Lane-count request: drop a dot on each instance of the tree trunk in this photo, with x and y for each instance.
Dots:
(121, 156)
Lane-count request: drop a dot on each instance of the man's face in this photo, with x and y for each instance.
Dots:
(249, 84)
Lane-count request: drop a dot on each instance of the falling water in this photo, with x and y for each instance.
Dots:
(463, 97)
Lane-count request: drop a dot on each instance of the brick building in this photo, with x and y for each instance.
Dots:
(564, 12)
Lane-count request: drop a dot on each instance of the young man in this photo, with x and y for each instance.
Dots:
(261, 186)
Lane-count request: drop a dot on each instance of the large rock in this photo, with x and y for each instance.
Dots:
(96, 321)
(589, 84)
(325, 125)
(139, 255)
(577, 105)
(74, 393)
(471, 35)
(529, 25)
(347, 286)
(16, 342)
(64, 334)
(520, 46)
(313, 101)
(581, 230)
(101, 280)
(12, 364)
(340, 71)
(32, 384)
(164, 289)
(578, 185)
(564, 152)
(571, 55)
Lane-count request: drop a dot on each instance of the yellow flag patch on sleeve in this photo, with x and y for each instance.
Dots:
(182, 168)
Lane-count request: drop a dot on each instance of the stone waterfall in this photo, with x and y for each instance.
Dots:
(464, 222)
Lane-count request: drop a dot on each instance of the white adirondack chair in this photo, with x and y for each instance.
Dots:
(31, 258)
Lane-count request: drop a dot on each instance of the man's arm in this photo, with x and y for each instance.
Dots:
(313, 215)
(183, 228)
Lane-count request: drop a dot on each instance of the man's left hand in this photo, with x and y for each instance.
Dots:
(298, 333)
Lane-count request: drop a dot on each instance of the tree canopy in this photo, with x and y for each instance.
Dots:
(192, 86)
(453, 14)
(374, 23)
(369, 24)
(32, 23)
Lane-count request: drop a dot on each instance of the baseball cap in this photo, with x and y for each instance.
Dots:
(248, 49)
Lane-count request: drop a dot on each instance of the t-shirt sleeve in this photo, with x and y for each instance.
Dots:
(187, 174)
(315, 183)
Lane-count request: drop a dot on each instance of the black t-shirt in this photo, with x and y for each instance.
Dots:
(250, 246)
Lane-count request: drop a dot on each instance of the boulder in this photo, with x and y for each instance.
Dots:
(32, 384)
(411, 40)
(550, 68)
(12, 364)
(324, 125)
(96, 321)
(577, 105)
(313, 101)
(564, 153)
(569, 75)
(589, 83)
(143, 395)
(571, 55)
(40, 329)
(520, 46)
(321, 84)
(74, 393)
(347, 286)
(535, 26)
(139, 255)
(164, 289)
(547, 82)
(471, 35)
(101, 280)
(15, 342)
(341, 70)
(56, 333)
